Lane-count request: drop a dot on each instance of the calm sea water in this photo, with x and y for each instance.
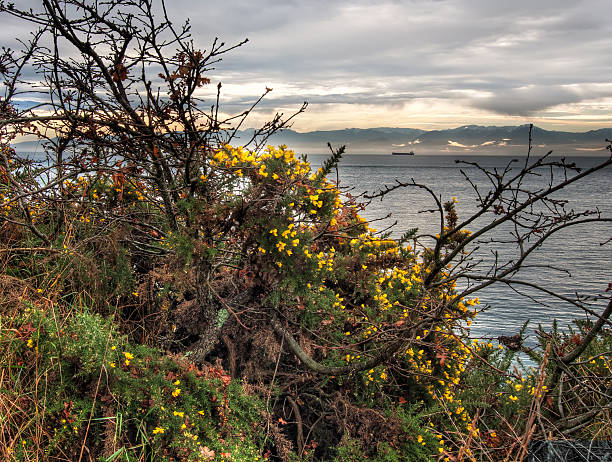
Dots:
(578, 251)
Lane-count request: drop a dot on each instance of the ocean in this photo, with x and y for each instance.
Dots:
(582, 264)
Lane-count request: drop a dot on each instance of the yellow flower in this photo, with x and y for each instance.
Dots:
(30, 343)
(157, 430)
(177, 382)
(112, 364)
(128, 355)
(176, 392)
(180, 414)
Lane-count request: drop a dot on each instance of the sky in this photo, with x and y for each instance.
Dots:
(427, 64)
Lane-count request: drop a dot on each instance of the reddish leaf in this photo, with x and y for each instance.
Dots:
(226, 379)
(120, 73)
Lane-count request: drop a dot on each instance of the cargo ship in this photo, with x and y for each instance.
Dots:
(409, 153)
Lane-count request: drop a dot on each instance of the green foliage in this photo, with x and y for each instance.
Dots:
(329, 164)
(131, 400)
(416, 443)
(276, 241)
(277, 230)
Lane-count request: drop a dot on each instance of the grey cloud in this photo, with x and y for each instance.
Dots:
(528, 100)
(525, 101)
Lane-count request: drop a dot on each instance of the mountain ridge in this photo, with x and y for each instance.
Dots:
(467, 139)
(489, 139)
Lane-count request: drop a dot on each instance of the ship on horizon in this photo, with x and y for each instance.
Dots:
(409, 153)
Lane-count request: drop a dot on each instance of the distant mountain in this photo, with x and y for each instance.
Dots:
(468, 139)
(361, 140)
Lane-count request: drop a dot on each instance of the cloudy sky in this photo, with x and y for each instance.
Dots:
(414, 63)
(418, 63)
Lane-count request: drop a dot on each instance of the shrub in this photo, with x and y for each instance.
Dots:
(74, 384)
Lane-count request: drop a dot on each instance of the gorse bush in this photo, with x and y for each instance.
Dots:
(238, 306)
(294, 241)
(387, 351)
